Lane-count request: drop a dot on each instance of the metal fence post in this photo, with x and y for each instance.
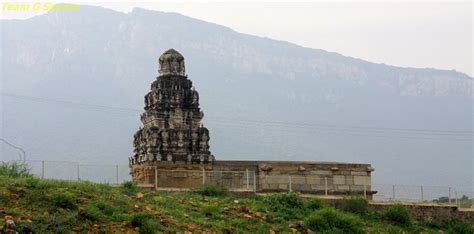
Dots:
(116, 174)
(326, 186)
(289, 185)
(393, 192)
(254, 182)
(449, 195)
(156, 178)
(421, 190)
(42, 169)
(456, 197)
(247, 173)
(78, 175)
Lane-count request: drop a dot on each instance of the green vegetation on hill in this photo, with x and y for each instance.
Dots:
(46, 206)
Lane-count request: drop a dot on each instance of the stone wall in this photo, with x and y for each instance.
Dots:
(433, 212)
(263, 176)
(420, 212)
(314, 177)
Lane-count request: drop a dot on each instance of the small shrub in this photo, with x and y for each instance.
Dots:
(3, 198)
(210, 210)
(32, 182)
(356, 205)
(144, 222)
(92, 213)
(106, 207)
(65, 200)
(129, 185)
(15, 188)
(14, 169)
(149, 227)
(285, 206)
(458, 227)
(398, 214)
(119, 217)
(333, 221)
(314, 204)
(158, 199)
(278, 201)
(212, 190)
(34, 196)
(138, 219)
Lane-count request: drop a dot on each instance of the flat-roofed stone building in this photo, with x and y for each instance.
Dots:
(171, 150)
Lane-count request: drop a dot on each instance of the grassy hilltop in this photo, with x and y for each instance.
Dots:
(53, 206)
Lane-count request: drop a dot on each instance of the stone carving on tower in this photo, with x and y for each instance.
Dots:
(172, 132)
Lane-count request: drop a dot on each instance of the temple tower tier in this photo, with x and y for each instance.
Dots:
(172, 132)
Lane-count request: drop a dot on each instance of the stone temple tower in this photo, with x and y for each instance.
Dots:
(172, 135)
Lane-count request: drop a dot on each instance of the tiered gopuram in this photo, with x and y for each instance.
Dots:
(172, 132)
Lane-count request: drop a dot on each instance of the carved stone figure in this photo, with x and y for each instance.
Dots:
(195, 99)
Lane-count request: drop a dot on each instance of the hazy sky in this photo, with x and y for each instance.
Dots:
(408, 34)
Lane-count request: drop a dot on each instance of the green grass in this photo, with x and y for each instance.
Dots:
(333, 221)
(53, 206)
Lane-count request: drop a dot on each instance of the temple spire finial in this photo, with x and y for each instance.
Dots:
(171, 62)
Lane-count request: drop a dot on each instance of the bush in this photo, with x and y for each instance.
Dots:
(14, 169)
(459, 227)
(285, 205)
(210, 210)
(356, 205)
(331, 220)
(129, 185)
(65, 200)
(92, 213)
(35, 196)
(279, 201)
(3, 198)
(101, 211)
(107, 208)
(314, 204)
(398, 214)
(212, 190)
(145, 223)
(138, 219)
(149, 227)
(32, 182)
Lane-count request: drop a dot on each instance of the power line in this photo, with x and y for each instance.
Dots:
(274, 124)
(342, 132)
(353, 129)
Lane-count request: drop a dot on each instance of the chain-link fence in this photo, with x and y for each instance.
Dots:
(66, 170)
(423, 194)
(316, 184)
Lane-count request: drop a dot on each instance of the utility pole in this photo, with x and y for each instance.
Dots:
(15, 147)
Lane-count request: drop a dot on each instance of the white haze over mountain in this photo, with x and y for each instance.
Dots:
(435, 34)
(262, 99)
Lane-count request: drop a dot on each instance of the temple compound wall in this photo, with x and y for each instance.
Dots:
(264, 176)
(171, 150)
